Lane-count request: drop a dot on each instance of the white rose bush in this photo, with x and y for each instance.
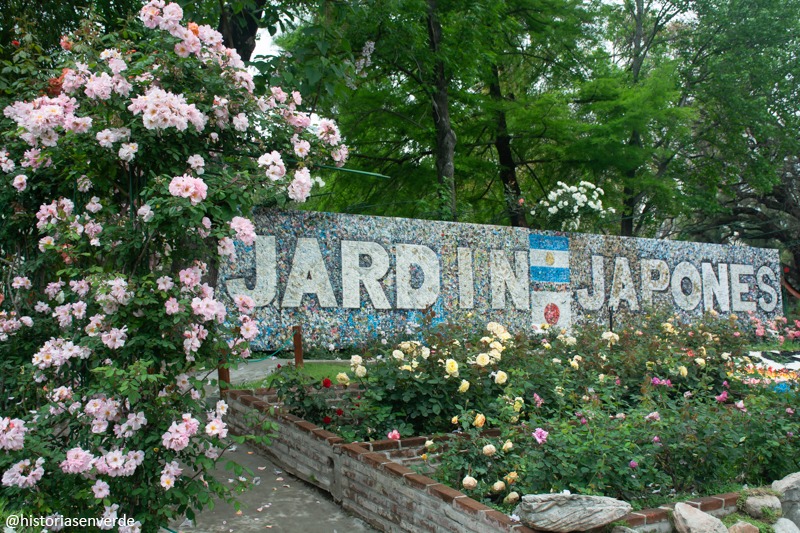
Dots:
(125, 180)
(570, 207)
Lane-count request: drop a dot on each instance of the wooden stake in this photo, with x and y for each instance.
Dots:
(298, 347)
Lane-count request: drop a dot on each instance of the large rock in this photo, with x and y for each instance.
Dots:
(623, 529)
(762, 505)
(785, 526)
(742, 527)
(569, 512)
(789, 489)
(690, 519)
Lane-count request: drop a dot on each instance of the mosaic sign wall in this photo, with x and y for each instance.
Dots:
(344, 277)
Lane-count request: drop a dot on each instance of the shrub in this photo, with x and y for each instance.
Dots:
(657, 408)
(127, 178)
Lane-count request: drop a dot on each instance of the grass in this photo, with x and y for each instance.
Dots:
(655, 500)
(318, 370)
(763, 527)
(774, 345)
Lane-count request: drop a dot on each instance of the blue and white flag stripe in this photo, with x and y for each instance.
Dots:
(550, 274)
(549, 242)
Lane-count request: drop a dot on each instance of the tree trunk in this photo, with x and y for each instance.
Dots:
(629, 194)
(508, 168)
(445, 136)
(239, 29)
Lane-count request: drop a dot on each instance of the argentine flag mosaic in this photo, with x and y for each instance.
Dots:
(549, 260)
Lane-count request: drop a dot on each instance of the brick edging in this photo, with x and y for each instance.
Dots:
(377, 456)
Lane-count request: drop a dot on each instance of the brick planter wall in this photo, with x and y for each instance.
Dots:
(371, 480)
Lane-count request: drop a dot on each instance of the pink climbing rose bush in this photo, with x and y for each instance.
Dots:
(128, 179)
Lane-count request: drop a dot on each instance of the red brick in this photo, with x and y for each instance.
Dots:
(385, 444)
(291, 418)
(634, 519)
(325, 434)
(729, 499)
(374, 459)
(413, 442)
(264, 407)
(652, 516)
(444, 492)
(263, 392)
(397, 470)
(235, 394)
(419, 481)
(248, 400)
(470, 506)
(354, 450)
(499, 519)
(306, 426)
(708, 504)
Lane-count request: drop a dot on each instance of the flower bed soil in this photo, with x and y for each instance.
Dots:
(373, 479)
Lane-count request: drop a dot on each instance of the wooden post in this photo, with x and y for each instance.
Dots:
(223, 375)
(298, 347)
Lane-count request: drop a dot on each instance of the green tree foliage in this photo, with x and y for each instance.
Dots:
(497, 60)
(672, 107)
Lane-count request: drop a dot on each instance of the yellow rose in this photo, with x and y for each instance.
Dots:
(511, 477)
(464, 387)
(361, 371)
(498, 486)
(501, 377)
(489, 450)
(512, 498)
(700, 362)
(342, 378)
(469, 482)
(482, 359)
(451, 367)
(479, 421)
(454, 420)
(507, 445)
(683, 371)
(397, 354)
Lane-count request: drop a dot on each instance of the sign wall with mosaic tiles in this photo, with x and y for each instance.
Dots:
(344, 277)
